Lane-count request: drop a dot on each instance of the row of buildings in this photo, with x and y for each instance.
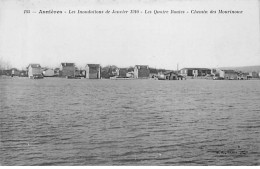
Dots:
(94, 71)
(68, 70)
(219, 74)
(91, 71)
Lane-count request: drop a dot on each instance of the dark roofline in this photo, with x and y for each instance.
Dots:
(141, 65)
(14, 69)
(93, 65)
(194, 68)
(230, 71)
(171, 71)
(33, 65)
(67, 64)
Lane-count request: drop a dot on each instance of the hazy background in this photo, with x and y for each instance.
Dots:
(161, 41)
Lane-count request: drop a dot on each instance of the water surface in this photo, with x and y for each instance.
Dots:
(57, 121)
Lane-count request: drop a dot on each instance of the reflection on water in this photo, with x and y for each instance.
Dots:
(130, 122)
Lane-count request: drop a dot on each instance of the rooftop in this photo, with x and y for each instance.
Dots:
(93, 65)
(169, 72)
(67, 64)
(194, 68)
(33, 65)
(230, 71)
(142, 66)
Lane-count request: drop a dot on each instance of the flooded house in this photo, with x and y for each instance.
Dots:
(23, 73)
(141, 71)
(48, 72)
(186, 72)
(34, 71)
(254, 74)
(93, 71)
(243, 76)
(120, 72)
(247, 75)
(67, 70)
(153, 73)
(230, 74)
(14, 72)
(195, 72)
(217, 74)
(171, 75)
(123, 72)
(11, 72)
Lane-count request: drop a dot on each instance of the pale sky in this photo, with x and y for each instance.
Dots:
(161, 41)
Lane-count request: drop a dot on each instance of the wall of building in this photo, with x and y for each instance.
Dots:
(189, 72)
(143, 73)
(221, 74)
(34, 71)
(135, 72)
(68, 71)
(233, 76)
(242, 76)
(173, 77)
(255, 75)
(93, 72)
(48, 72)
(15, 72)
(122, 72)
(23, 73)
(195, 72)
(183, 72)
(87, 72)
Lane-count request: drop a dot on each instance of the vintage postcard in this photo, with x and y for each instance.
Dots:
(129, 83)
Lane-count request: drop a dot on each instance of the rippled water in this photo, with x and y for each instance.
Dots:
(129, 122)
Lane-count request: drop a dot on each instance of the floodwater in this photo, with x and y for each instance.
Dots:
(57, 121)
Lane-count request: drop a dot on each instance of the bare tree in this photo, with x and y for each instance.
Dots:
(7, 65)
(1, 63)
(4, 65)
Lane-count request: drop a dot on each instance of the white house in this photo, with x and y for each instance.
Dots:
(48, 72)
(34, 70)
(93, 71)
(141, 71)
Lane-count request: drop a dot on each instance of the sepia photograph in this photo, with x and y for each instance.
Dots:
(130, 83)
